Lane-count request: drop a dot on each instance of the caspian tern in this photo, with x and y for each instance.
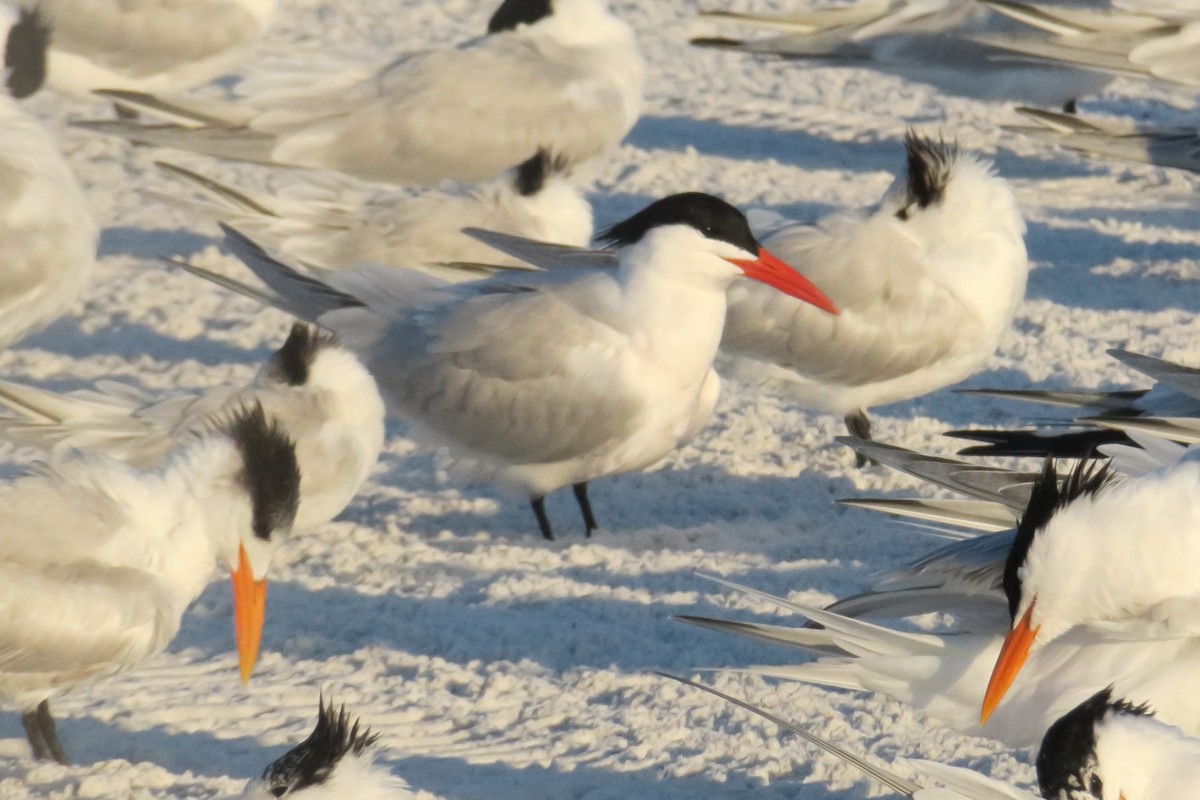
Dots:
(926, 285)
(99, 560)
(927, 43)
(960, 784)
(148, 45)
(46, 226)
(336, 761)
(316, 390)
(333, 222)
(560, 74)
(540, 380)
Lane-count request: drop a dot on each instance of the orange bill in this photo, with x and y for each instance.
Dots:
(249, 609)
(774, 273)
(1012, 657)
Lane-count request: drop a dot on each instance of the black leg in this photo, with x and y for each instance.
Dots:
(50, 732)
(585, 505)
(859, 425)
(1070, 107)
(33, 732)
(539, 511)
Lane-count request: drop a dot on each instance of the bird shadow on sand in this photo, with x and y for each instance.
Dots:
(150, 244)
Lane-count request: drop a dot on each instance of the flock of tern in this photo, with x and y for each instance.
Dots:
(483, 317)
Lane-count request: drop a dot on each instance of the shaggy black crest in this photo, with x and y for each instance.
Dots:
(1088, 477)
(512, 13)
(25, 53)
(292, 361)
(1066, 761)
(710, 215)
(532, 174)
(928, 171)
(270, 473)
(311, 762)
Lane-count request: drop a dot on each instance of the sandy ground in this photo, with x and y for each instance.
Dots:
(496, 665)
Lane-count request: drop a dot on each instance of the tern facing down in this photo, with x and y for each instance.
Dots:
(560, 74)
(926, 284)
(98, 561)
(540, 380)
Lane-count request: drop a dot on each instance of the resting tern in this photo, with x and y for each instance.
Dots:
(960, 784)
(99, 560)
(332, 222)
(927, 42)
(315, 389)
(1104, 553)
(48, 236)
(540, 380)
(336, 761)
(926, 284)
(561, 74)
(148, 45)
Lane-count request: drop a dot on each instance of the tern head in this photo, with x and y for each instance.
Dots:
(536, 197)
(930, 165)
(565, 21)
(335, 761)
(706, 235)
(25, 45)
(1041, 603)
(267, 474)
(1069, 762)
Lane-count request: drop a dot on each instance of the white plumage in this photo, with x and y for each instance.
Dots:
(564, 75)
(148, 45)
(48, 236)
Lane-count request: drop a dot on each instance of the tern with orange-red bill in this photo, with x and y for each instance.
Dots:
(99, 561)
(600, 364)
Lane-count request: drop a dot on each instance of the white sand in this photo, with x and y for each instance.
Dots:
(499, 666)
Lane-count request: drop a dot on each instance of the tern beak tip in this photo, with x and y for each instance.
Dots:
(1013, 654)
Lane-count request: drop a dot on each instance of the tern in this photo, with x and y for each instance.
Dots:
(540, 380)
(560, 74)
(148, 45)
(926, 285)
(333, 222)
(99, 560)
(316, 390)
(47, 230)
(335, 761)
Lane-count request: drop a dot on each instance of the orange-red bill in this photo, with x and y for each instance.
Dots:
(249, 610)
(770, 270)
(1012, 657)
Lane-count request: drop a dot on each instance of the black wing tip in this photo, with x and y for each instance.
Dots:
(720, 42)
(270, 469)
(1031, 443)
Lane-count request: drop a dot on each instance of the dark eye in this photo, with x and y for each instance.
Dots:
(279, 791)
(1095, 786)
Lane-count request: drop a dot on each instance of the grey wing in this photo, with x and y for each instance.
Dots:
(1185, 379)
(143, 37)
(545, 255)
(79, 617)
(524, 376)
